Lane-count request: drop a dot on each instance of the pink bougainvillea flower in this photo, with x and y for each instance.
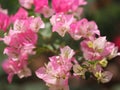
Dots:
(42, 7)
(4, 21)
(15, 67)
(17, 39)
(82, 2)
(20, 41)
(40, 4)
(76, 3)
(47, 11)
(61, 23)
(21, 14)
(67, 5)
(21, 25)
(78, 12)
(28, 49)
(53, 76)
(29, 37)
(57, 71)
(96, 49)
(36, 24)
(26, 3)
(67, 52)
(8, 38)
(12, 53)
(24, 72)
(20, 45)
(32, 23)
(16, 53)
(84, 28)
(61, 5)
(43, 74)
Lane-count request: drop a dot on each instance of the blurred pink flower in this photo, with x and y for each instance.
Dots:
(67, 52)
(61, 23)
(40, 4)
(15, 67)
(36, 23)
(17, 39)
(84, 28)
(20, 14)
(20, 25)
(53, 76)
(67, 5)
(47, 11)
(96, 49)
(57, 71)
(4, 21)
(26, 3)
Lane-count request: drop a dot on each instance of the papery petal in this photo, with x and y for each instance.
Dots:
(106, 76)
(25, 72)
(100, 43)
(41, 73)
(36, 24)
(67, 52)
(39, 4)
(26, 3)
(21, 14)
(4, 21)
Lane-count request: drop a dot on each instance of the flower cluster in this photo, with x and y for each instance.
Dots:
(57, 72)
(21, 40)
(43, 7)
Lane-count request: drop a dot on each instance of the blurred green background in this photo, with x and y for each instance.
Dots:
(106, 13)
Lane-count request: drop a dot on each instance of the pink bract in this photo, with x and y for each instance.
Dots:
(61, 23)
(26, 3)
(84, 28)
(36, 24)
(4, 21)
(57, 71)
(96, 49)
(40, 4)
(21, 14)
(15, 67)
(66, 5)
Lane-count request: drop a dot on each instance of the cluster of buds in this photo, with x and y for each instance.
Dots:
(21, 40)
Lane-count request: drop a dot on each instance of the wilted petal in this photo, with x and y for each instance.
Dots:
(106, 76)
